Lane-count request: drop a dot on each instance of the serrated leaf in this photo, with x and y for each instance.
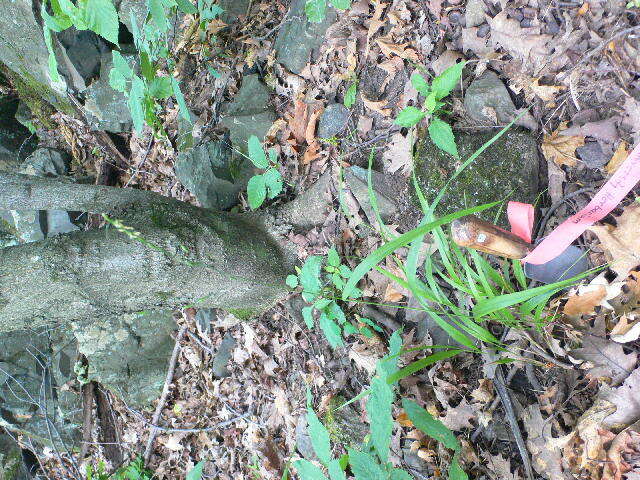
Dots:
(335, 470)
(161, 88)
(420, 83)
(310, 274)
(397, 474)
(256, 152)
(388, 367)
(182, 105)
(322, 303)
(196, 472)
(331, 330)
(315, 10)
(101, 17)
(432, 427)
(365, 467)
(431, 103)
(135, 103)
(409, 116)
(256, 191)
(307, 316)
(186, 6)
(147, 68)
(341, 4)
(444, 83)
(58, 22)
(158, 14)
(334, 312)
(273, 180)
(333, 258)
(455, 470)
(379, 410)
(350, 95)
(308, 471)
(442, 136)
(292, 281)
(319, 437)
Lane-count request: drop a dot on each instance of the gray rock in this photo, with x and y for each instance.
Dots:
(298, 38)
(107, 108)
(309, 208)
(250, 113)
(222, 356)
(132, 8)
(84, 49)
(303, 439)
(333, 120)
(509, 167)
(11, 465)
(474, 13)
(591, 155)
(13, 137)
(356, 179)
(209, 172)
(129, 354)
(488, 100)
(204, 318)
(233, 9)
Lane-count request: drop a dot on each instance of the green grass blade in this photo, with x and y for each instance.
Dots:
(420, 364)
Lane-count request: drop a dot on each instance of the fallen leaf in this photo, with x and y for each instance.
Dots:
(392, 295)
(546, 93)
(619, 156)
(625, 331)
(459, 418)
(561, 149)
(378, 107)
(484, 393)
(500, 467)
(626, 400)
(632, 116)
(399, 154)
(311, 153)
(389, 49)
(623, 455)
(589, 429)
(365, 124)
(298, 121)
(622, 242)
(597, 293)
(605, 130)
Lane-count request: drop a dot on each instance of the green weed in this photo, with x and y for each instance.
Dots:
(135, 471)
(316, 10)
(350, 94)
(267, 184)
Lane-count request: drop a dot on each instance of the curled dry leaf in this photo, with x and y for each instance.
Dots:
(626, 400)
(623, 455)
(589, 430)
(378, 107)
(399, 154)
(619, 156)
(561, 149)
(625, 330)
(621, 243)
(401, 50)
(583, 303)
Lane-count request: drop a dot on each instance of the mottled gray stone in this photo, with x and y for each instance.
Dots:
(222, 356)
(356, 179)
(84, 49)
(13, 136)
(129, 354)
(488, 100)
(506, 169)
(233, 9)
(333, 120)
(591, 155)
(298, 38)
(474, 13)
(209, 172)
(11, 465)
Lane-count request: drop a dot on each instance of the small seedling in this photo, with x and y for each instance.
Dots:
(350, 95)
(439, 130)
(267, 184)
(316, 10)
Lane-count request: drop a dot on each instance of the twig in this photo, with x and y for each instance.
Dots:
(196, 339)
(164, 395)
(87, 424)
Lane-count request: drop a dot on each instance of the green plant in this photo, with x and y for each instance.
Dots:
(440, 131)
(350, 94)
(316, 10)
(267, 184)
(133, 471)
(320, 279)
(371, 460)
(633, 3)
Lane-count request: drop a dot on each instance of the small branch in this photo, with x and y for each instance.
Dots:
(164, 395)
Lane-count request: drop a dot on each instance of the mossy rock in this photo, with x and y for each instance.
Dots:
(508, 169)
(344, 425)
(10, 459)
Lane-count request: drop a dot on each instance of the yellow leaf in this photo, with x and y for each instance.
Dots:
(619, 156)
(583, 304)
(560, 148)
(547, 93)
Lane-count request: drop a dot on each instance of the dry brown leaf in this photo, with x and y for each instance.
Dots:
(546, 93)
(484, 393)
(378, 107)
(392, 295)
(561, 149)
(458, 418)
(311, 153)
(589, 430)
(623, 455)
(399, 154)
(619, 156)
(298, 122)
(625, 331)
(626, 400)
(389, 49)
(581, 304)
(621, 243)
(500, 467)
(605, 130)
(310, 131)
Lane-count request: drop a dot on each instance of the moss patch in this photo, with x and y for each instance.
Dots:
(344, 425)
(244, 313)
(507, 169)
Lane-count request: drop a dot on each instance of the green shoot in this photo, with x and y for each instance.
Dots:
(267, 184)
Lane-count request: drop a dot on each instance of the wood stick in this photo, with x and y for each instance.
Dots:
(474, 233)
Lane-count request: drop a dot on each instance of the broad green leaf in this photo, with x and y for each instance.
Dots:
(214, 73)
(58, 22)
(319, 437)
(341, 4)
(101, 17)
(322, 303)
(310, 275)
(159, 16)
(334, 312)
(389, 364)
(365, 467)
(135, 31)
(196, 472)
(409, 116)
(442, 135)
(121, 64)
(184, 110)
(455, 470)
(420, 364)
(379, 411)
(315, 10)
(53, 63)
(273, 156)
(256, 153)
(397, 474)
(350, 95)
(333, 258)
(331, 330)
(161, 88)
(69, 9)
(430, 103)
(117, 80)
(335, 470)
(273, 181)
(307, 316)
(444, 83)
(308, 471)
(135, 103)
(292, 281)
(425, 422)
(147, 67)
(256, 191)
(186, 6)
(420, 84)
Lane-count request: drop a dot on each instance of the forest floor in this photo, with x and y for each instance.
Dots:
(576, 66)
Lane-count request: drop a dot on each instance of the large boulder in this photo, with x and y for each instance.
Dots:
(298, 38)
(507, 169)
(14, 137)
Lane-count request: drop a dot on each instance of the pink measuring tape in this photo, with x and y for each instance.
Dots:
(610, 195)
